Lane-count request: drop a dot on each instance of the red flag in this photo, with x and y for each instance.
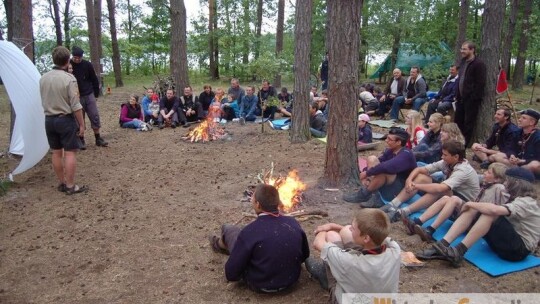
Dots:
(502, 85)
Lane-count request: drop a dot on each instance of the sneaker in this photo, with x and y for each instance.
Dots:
(286, 127)
(451, 254)
(236, 120)
(424, 234)
(151, 122)
(485, 164)
(174, 125)
(393, 213)
(161, 126)
(83, 147)
(317, 270)
(409, 224)
(100, 142)
(242, 121)
(223, 121)
(362, 195)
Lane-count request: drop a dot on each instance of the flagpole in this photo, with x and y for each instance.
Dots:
(511, 104)
(502, 86)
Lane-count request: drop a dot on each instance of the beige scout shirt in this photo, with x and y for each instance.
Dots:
(59, 93)
(463, 179)
(359, 273)
(525, 218)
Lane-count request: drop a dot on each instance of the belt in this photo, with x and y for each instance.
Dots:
(59, 115)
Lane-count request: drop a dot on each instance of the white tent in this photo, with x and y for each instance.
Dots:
(21, 79)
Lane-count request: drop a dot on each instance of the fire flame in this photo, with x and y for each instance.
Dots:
(206, 131)
(289, 188)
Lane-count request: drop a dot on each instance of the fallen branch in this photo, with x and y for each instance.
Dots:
(299, 213)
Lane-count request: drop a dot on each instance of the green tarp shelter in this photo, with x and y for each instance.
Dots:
(408, 57)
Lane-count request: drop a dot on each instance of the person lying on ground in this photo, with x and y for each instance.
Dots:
(356, 258)
(385, 174)
(461, 181)
(511, 230)
(267, 254)
(448, 207)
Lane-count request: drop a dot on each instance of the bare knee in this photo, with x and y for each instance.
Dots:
(333, 237)
(372, 161)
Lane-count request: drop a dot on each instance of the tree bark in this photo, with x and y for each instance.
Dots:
(490, 54)
(179, 68)
(462, 29)
(396, 33)
(129, 37)
(506, 47)
(214, 71)
(258, 28)
(114, 41)
(302, 35)
(92, 37)
(98, 17)
(245, 32)
(279, 38)
(67, 27)
(54, 10)
(519, 69)
(8, 6)
(341, 162)
(363, 41)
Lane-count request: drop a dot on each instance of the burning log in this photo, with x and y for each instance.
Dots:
(207, 130)
(300, 215)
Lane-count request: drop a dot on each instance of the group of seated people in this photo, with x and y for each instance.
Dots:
(237, 105)
(412, 91)
(434, 165)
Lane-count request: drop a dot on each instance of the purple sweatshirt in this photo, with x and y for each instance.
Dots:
(400, 164)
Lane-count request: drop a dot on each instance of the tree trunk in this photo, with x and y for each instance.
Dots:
(490, 54)
(519, 69)
(55, 15)
(341, 163)
(97, 16)
(22, 29)
(114, 41)
(92, 37)
(258, 28)
(129, 37)
(302, 36)
(462, 29)
(179, 68)
(476, 20)
(211, 37)
(397, 38)
(506, 47)
(279, 38)
(245, 32)
(363, 41)
(67, 27)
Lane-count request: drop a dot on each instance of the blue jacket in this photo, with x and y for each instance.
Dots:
(145, 103)
(506, 139)
(400, 164)
(248, 105)
(447, 93)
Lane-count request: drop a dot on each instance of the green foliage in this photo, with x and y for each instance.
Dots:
(266, 66)
(4, 186)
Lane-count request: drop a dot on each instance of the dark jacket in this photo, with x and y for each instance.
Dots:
(400, 164)
(447, 93)
(86, 78)
(168, 105)
(401, 86)
(505, 138)
(206, 99)
(318, 122)
(474, 80)
(420, 87)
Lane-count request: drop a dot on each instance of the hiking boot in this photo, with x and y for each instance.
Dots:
(409, 224)
(362, 195)
(429, 254)
(374, 201)
(100, 142)
(451, 254)
(173, 125)
(161, 126)
(242, 121)
(317, 270)
(476, 159)
(83, 147)
(423, 233)
(392, 212)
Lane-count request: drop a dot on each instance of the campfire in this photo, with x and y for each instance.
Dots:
(290, 190)
(206, 131)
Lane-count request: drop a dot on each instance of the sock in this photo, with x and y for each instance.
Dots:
(418, 221)
(431, 230)
(396, 202)
(405, 211)
(444, 242)
(97, 136)
(461, 248)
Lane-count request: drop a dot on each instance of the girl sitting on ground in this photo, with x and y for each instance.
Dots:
(131, 115)
(214, 110)
(365, 135)
(415, 128)
(448, 207)
(429, 150)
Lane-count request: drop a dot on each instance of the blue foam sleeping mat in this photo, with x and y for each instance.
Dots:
(479, 254)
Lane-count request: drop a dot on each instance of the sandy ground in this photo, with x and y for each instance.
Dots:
(139, 235)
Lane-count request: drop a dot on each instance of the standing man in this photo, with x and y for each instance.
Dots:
(324, 72)
(64, 122)
(88, 90)
(472, 80)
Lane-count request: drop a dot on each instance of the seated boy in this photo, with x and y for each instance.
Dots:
(267, 253)
(369, 263)
(462, 181)
(511, 230)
